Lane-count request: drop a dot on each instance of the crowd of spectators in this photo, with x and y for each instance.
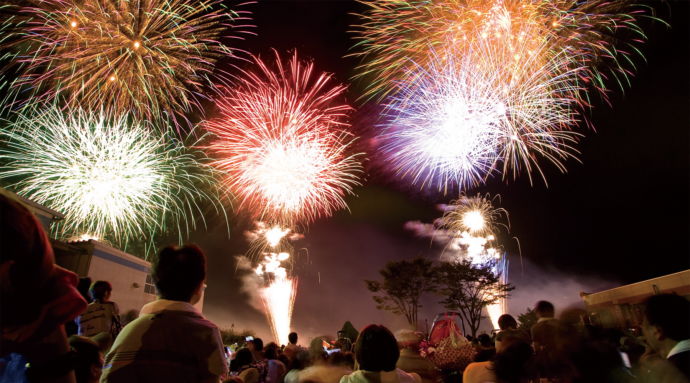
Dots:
(170, 341)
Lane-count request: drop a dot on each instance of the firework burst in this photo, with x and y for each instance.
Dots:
(281, 139)
(112, 179)
(476, 215)
(151, 58)
(391, 33)
(461, 120)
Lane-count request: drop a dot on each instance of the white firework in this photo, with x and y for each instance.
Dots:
(459, 120)
(113, 179)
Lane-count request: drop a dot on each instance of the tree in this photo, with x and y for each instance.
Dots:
(468, 289)
(230, 335)
(527, 319)
(403, 284)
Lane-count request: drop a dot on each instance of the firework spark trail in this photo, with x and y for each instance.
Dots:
(592, 32)
(151, 58)
(279, 289)
(113, 180)
(501, 306)
(460, 120)
(282, 141)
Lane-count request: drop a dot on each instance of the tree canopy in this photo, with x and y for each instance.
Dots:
(402, 285)
(468, 289)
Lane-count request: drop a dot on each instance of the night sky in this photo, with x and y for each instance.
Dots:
(620, 216)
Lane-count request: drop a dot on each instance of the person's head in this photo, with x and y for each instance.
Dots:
(544, 309)
(100, 291)
(179, 273)
(89, 360)
(507, 337)
(37, 296)
(256, 344)
(271, 351)
(316, 351)
(666, 321)
(376, 349)
(506, 321)
(514, 363)
(243, 357)
(292, 337)
(484, 340)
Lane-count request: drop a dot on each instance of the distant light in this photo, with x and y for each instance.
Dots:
(73, 24)
(137, 45)
(111, 78)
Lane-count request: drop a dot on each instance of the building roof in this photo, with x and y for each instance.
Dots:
(678, 283)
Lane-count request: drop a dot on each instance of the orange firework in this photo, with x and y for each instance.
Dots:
(147, 58)
(394, 32)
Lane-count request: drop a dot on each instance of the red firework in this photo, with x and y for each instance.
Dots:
(282, 138)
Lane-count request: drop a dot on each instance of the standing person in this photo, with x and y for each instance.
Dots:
(275, 369)
(547, 339)
(343, 342)
(544, 331)
(513, 363)
(509, 328)
(299, 362)
(292, 348)
(170, 341)
(101, 315)
(666, 329)
(256, 346)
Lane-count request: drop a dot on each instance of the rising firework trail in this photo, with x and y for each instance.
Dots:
(150, 58)
(282, 139)
(278, 288)
(112, 179)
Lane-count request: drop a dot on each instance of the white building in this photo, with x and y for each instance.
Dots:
(129, 275)
(622, 306)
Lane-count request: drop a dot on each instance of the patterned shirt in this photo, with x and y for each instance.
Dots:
(169, 342)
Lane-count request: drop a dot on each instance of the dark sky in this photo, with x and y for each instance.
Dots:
(620, 216)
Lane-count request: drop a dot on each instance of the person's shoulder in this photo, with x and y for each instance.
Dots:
(188, 318)
(353, 377)
(408, 377)
(682, 361)
(477, 372)
(93, 306)
(143, 320)
(249, 375)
